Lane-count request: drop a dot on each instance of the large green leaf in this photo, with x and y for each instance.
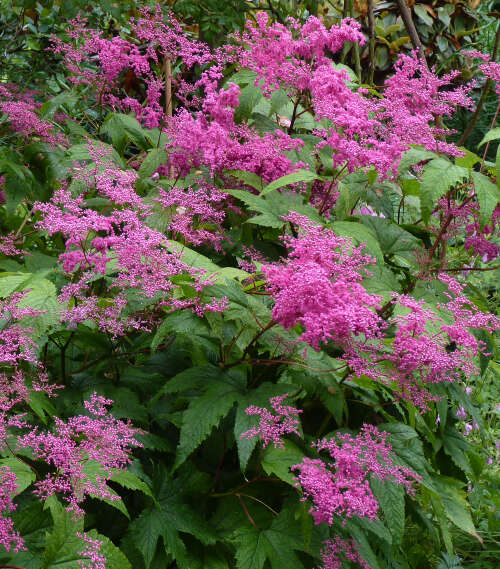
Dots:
(493, 134)
(438, 176)
(391, 498)
(294, 178)
(279, 460)
(154, 158)
(392, 238)
(24, 474)
(166, 519)
(361, 235)
(488, 195)
(123, 128)
(206, 411)
(276, 544)
(63, 546)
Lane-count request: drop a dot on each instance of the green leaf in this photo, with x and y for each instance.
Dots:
(438, 176)
(243, 422)
(493, 134)
(25, 476)
(488, 195)
(166, 519)
(443, 521)
(392, 238)
(468, 160)
(248, 99)
(391, 497)
(343, 203)
(455, 505)
(62, 545)
(278, 461)
(145, 530)
(413, 156)
(199, 261)
(423, 14)
(154, 158)
(276, 544)
(360, 234)
(129, 480)
(206, 411)
(123, 128)
(115, 559)
(294, 178)
(249, 178)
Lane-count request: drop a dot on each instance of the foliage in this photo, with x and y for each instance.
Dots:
(208, 250)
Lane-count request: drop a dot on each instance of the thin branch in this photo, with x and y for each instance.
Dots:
(247, 513)
(371, 32)
(260, 502)
(487, 86)
(467, 269)
(488, 143)
(251, 343)
(411, 29)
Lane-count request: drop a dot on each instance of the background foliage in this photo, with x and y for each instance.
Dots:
(197, 494)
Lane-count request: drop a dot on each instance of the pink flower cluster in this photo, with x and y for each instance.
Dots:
(24, 119)
(282, 55)
(318, 287)
(366, 131)
(341, 487)
(338, 550)
(490, 69)
(9, 537)
(96, 560)
(273, 426)
(121, 243)
(212, 139)
(84, 451)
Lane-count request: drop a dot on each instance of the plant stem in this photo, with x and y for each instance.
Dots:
(411, 29)
(488, 143)
(371, 31)
(484, 94)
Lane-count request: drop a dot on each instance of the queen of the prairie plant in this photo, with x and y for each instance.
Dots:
(136, 244)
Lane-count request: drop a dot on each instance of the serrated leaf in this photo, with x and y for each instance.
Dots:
(414, 156)
(360, 234)
(25, 476)
(294, 178)
(62, 545)
(493, 134)
(277, 544)
(129, 480)
(391, 498)
(249, 178)
(115, 559)
(343, 203)
(166, 519)
(391, 237)
(488, 195)
(154, 159)
(206, 411)
(456, 507)
(278, 461)
(438, 176)
(121, 128)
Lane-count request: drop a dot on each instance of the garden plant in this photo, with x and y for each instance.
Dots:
(249, 286)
